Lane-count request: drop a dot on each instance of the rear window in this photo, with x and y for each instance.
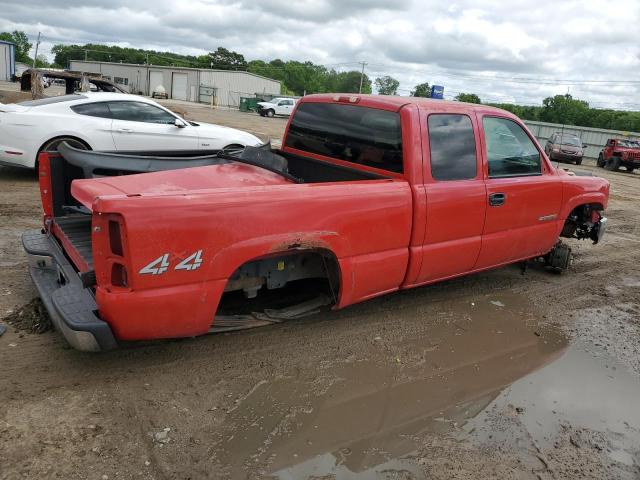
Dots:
(453, 147)
(99, 109)
(361, 135)
(50, 100)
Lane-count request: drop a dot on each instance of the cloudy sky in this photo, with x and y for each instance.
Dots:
(518, 51)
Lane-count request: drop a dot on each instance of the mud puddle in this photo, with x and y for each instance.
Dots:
(360, 417)
(585, 390)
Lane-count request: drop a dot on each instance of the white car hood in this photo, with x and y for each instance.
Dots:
(266, 104)
(210, 131)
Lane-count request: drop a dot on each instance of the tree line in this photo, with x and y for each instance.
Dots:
(566, 110)
(299, 78)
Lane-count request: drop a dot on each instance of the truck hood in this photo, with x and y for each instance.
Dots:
(176, 182)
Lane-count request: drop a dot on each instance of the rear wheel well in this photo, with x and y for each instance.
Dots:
(59, 137)
(277, 270)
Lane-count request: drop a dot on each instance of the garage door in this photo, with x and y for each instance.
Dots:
(179, 87)
(155, 80)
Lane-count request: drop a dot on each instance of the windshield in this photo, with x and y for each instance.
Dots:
(573, 141)
(629, 143)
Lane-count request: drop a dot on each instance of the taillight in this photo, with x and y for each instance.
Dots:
(119, 275)
(115, 238)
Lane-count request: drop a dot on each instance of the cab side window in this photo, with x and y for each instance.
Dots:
(510, 151)
(453, 147)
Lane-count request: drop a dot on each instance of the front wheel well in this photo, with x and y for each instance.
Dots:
(581, 221)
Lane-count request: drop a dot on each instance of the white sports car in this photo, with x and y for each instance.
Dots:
(104, 121)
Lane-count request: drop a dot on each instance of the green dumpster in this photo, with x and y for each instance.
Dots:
(252, 104)
(244, 104)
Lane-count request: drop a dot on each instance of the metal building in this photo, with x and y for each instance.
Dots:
(220, 87)
(7, 61)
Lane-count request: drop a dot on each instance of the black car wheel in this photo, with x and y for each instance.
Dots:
(579, 161)
(600, 161)
(270, 113)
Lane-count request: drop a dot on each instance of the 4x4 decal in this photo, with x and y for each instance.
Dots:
(161, 264)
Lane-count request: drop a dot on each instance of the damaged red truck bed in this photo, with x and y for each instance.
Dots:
(368, 195)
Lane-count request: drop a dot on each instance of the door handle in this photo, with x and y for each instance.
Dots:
(124, 130)
(497, 199)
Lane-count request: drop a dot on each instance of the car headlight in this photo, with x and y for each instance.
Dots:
(556, 149)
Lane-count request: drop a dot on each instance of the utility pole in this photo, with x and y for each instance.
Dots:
(36, 54)
(86, 52)
(361, 76)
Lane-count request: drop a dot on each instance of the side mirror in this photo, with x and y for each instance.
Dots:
(179, 123)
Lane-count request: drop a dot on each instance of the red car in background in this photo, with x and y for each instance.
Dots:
(620, 153)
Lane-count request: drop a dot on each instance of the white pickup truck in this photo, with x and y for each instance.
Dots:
(277, 106)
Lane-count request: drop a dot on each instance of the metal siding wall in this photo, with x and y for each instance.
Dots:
(233, 85)
(5, 61)
(136, 74)
(230, 85)
(595, 138)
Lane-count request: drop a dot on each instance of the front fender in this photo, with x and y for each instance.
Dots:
(581, 191)
(600, 198)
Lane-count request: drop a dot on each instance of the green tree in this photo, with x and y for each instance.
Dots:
(564, 109)
(21, 41)
(224, 59)
(421, 90)
(468, 98)
(347, 82)
(387, 85)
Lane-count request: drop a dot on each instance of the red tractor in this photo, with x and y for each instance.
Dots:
(620, 153)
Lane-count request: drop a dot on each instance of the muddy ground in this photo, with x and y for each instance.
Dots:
(497, 375)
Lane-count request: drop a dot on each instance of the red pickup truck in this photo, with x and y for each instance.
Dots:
(368, 194)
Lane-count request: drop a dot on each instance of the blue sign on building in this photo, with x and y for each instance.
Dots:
(437, 91)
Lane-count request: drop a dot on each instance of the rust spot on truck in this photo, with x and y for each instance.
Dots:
(299, 243)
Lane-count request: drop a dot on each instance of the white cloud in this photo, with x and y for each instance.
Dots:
(476, 46)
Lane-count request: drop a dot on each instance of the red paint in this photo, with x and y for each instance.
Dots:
(386, 234)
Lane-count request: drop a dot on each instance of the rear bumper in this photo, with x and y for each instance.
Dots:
(72, 307)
